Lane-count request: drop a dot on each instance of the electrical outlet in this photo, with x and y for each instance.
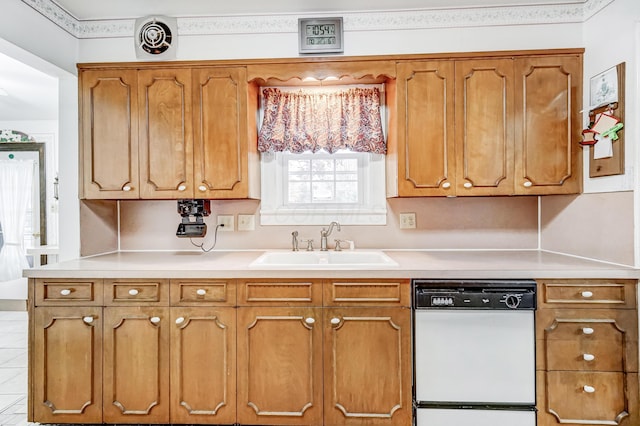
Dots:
(407, 221)
(246, 222)
(227, 221)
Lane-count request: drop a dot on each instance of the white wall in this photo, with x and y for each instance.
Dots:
(609, 39)
(279, 45)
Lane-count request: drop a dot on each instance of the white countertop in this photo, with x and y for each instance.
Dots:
(411, 264)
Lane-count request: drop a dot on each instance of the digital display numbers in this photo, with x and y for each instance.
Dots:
(320, 35)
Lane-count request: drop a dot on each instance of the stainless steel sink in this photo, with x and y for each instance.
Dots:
(360, 259)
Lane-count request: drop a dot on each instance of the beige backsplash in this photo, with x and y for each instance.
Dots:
(597, 226)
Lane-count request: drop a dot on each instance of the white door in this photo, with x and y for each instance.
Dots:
(475, 356)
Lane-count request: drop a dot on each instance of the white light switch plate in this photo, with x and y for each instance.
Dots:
(407, 221)
(246, 222)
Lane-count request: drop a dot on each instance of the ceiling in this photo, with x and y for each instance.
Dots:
(84, 10)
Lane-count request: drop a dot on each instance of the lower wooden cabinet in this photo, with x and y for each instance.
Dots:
(280, 370)
(367, 363)
(274, 356)
(203, 365)
(136, 365)
(67, 361)
(587, 356)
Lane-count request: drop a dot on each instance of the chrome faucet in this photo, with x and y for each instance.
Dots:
(325, 233)
(294, 241)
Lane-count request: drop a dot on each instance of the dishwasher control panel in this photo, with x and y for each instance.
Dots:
(474, 294)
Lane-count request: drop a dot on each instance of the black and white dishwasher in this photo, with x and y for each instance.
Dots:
(474, 352)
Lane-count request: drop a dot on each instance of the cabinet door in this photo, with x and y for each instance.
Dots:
(425, 128)
(367, 362)
(136, 365)
(549, 100)
(203, 365)
(166, 158)
(67, 362)
(221, 132)
(279, 366)
(484, 127)
(109, 129)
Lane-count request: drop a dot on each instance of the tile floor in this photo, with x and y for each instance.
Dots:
(13, 368)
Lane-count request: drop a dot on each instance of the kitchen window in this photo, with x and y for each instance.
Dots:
(322, 157)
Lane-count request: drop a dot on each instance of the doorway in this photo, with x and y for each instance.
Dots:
(35, 229)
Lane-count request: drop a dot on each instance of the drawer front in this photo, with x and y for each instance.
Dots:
(589, 294)
(585, 354)
(62, 292)
(202, 292)
(136, 292)
(586, 397)
(565, 335)
(367, 293)
(280, 292)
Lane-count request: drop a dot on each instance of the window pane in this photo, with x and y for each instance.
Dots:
(299, 176)
(347, 176)
(322, 192)
(322, 165)
(347, 192)
(298, 165)
(299, 192)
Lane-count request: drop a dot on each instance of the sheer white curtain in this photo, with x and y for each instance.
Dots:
(16, 180)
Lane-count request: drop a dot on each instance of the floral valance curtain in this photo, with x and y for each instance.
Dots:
(299, 121)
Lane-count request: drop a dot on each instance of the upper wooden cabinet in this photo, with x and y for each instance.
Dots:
(166, 133)
(484, 127)
(165, 140)
(426, 161)
(221, 131)
(548, 125)
(109, 132)
(488, 126)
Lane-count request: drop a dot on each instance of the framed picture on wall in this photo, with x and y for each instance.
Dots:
(603, 88)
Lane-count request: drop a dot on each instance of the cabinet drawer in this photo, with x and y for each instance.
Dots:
(611, 335)
(591, 294)
(136, 292)
(60, 292)
(367, 293)
(280, 292)
(202, 292)
(585, 354)
(586, 397)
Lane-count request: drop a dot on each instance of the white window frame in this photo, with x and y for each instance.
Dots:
(370, 210)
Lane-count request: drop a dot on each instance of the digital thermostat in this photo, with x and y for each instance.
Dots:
(320, 35)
